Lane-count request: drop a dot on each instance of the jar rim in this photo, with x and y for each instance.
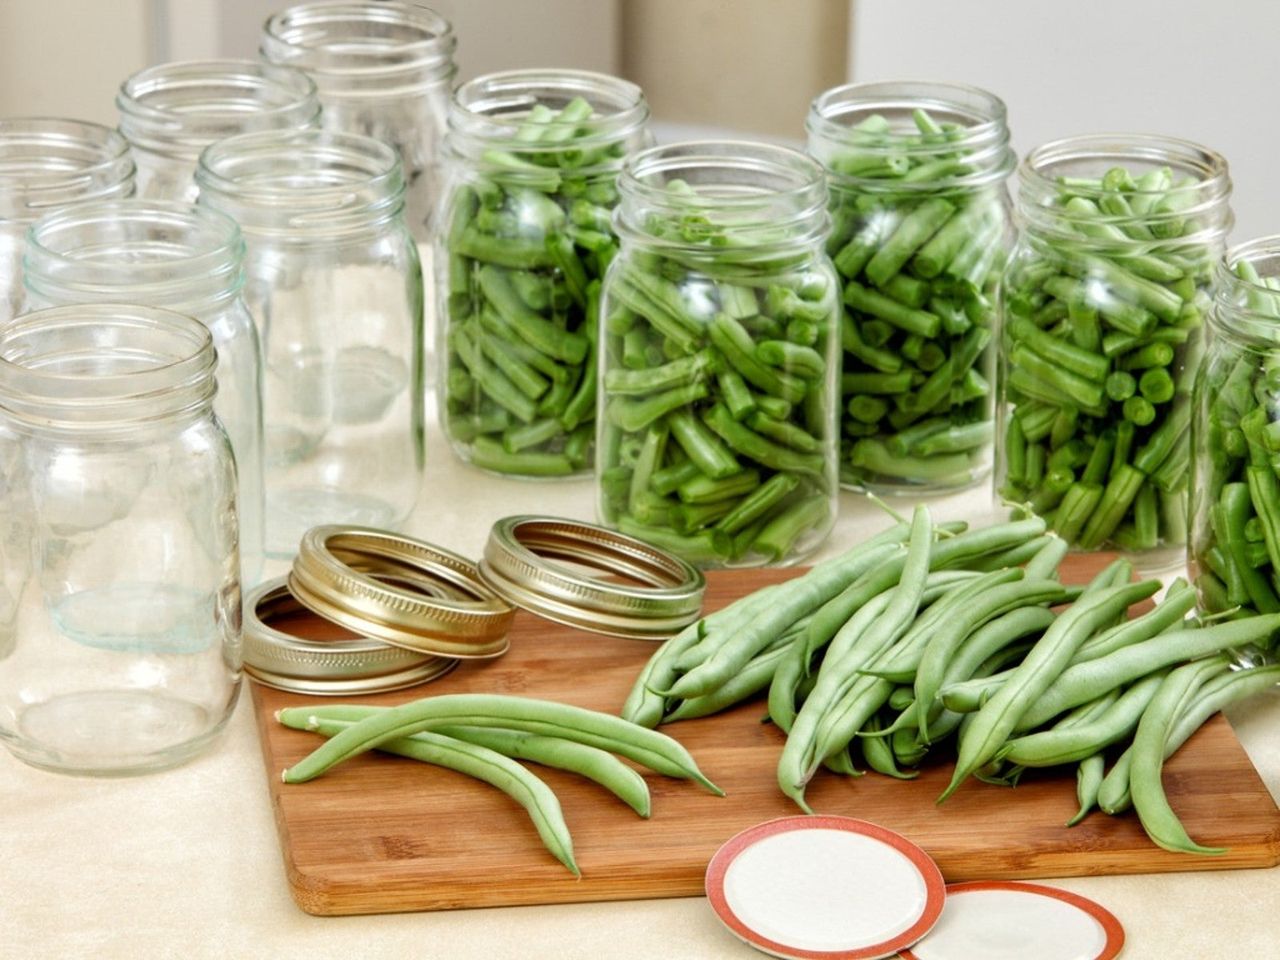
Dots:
(168, 365)
(797, 201)
(330, 39)
(1237, 298)
(49, 161)
(281, 95)
(210, 264)
(984, 131)
(491, 109)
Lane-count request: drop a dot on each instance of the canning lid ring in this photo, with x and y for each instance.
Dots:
(401, 591)
(526, 560)
(327, 667)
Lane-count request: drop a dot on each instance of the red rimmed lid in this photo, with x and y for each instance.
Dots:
(1007, 919)
(825, 888)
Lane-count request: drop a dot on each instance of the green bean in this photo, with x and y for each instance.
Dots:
(1089, 774)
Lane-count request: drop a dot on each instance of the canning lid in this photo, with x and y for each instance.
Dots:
(288, 661)
(401, 591)
(537, 564)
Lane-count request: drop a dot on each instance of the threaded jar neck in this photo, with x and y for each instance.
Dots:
(168, 254)
(517, 114)
(178, 109)
(104, 368)
(1246, 302)
(363, 50)
(48, 163)
(730, 201)
(957, 134)
(1178, 191)
(303, 185)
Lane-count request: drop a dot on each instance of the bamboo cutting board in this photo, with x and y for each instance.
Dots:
(381, 834)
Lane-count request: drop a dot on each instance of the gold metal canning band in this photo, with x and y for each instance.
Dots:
(327, 667)
(528, 559)
(401, 591)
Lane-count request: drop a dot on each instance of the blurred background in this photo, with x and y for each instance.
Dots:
(750, 67)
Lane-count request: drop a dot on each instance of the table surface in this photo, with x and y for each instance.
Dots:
(186, 863)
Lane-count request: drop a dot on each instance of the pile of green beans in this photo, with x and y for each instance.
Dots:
(717, 441)
(527, 241)
(1101, 340)
(480, 734)
(1235, 498)
(919, 255)
(927, 637)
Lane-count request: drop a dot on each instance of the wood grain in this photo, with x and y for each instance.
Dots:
(381, 834)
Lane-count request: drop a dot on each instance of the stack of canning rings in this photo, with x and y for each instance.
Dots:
(411, 611)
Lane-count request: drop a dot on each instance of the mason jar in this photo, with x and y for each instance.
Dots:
(333, 283)
(532, 160)
(1103, 309)
(176, 255)
(921, 228)
(1234, 412)
(46, 165)
(119, 575)
(170, 112)
(382, 69)
(719, 356)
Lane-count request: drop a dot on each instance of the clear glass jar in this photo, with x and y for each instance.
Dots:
(1103, 308)
(119, 579)
(45, 165)
(333, 282)
(1234, 547)
(185, 258)
(527, 233)
(719, 356)
(382, 69)
(921, 228)
(170, 112)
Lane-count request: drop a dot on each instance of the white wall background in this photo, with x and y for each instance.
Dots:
(1200, 70)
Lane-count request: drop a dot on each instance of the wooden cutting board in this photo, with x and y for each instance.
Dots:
(381, 834)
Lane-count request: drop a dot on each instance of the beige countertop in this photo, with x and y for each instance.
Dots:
(186, 863)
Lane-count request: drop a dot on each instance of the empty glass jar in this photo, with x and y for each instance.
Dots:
(44, 166)
(532, 160)
(183, 257)
(719, 361)
(333, 282)
(119, 579)
(170, 112)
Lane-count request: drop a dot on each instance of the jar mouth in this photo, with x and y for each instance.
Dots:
(180, 108)
(353, 41)
(493, 109)
(1245, 302)
(301, 181)
(1199, 188)
(93, 365)
(974, 119)
(162, 252)
(46, 162)
(767, 195)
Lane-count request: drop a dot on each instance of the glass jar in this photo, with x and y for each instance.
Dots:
(45, 165)
(1103, 307)
(527, 234)
(186, 258)
(921, 228)
(1234, 552)
(119, 579)
(333, 282)
(382, 69)
(719, 356)
(170, 112)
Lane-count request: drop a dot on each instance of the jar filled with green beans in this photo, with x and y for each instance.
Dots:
(1103, 308)
(921, 228)
(719, 356)
(525, 236)
(1234, 551)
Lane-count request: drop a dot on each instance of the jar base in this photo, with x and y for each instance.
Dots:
(292, 512)
(113, 733)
